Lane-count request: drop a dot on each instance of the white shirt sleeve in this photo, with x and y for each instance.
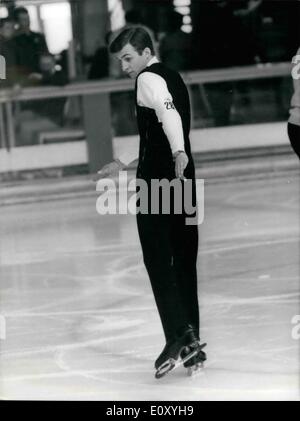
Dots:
(152, 92)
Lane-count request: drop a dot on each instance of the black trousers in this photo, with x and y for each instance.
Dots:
(294, 136)
(170, 249)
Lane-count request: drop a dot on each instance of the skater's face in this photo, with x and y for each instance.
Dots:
(131, 61)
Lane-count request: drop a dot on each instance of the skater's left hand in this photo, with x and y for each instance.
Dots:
(109, 170)
(181, 161)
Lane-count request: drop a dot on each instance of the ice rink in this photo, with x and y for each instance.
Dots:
(81, 322)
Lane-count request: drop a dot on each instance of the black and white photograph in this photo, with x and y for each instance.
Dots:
(149, 202)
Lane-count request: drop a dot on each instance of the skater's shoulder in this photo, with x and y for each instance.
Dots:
(150, 80)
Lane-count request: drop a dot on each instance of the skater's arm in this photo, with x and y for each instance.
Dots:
(153, 93)
(118, 164)
(109, 170)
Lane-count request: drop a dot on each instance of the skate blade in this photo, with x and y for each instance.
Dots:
(172, 364)
(189, 356)
(165, 368)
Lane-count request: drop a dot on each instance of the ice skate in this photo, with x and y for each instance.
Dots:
(170, 358)
(194, 364)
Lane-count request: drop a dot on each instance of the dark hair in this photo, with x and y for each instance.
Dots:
(137, 36)
(107, 37)
(18, 11)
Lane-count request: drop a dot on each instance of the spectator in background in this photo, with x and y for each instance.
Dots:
(215, 35)
(247, 13)
(176, 46)
(249, 21)
(280, 33)
(30, 46)
(215, 45)
(49, 75)
(294, 120)
(7, 30)
(100, 61)
(7, 49)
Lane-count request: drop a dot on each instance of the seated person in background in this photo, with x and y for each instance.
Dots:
(49, 75)
(7, 50)
(48, 113)
(30, 46)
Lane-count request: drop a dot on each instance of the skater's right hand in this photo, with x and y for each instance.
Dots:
(181, 161)
(109, 170)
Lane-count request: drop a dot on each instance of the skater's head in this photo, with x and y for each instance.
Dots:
(134, 48)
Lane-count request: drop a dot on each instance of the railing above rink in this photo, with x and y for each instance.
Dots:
(107, 86)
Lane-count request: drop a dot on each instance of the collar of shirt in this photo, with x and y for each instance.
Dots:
(152, 61)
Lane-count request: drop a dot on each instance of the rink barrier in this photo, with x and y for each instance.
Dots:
(96, 96)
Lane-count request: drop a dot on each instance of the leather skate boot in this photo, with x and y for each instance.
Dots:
(168, 359)
(194, 363)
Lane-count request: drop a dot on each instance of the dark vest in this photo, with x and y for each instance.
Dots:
(155, 155)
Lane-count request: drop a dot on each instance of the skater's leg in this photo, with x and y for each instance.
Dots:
(294, 136)
(185, 250)
(154, 233)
